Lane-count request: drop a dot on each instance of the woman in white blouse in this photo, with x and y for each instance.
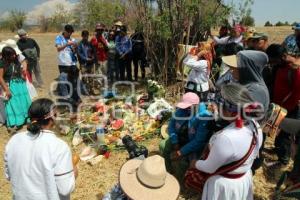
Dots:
(229, 145)
(38, 164)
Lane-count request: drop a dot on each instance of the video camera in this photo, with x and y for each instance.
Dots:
(133, 149)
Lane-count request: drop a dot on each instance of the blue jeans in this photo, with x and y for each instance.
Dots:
(112, 73)
(62, 88)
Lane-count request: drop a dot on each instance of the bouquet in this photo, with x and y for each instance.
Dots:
(154, 89)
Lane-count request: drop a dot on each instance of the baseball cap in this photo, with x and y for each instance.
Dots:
(21, 32)
(296, 26)
(259, 36)
(188, 99)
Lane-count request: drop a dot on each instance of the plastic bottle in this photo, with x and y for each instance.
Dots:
(100, 135)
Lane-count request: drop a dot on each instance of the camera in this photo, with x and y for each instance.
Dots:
(133, 149)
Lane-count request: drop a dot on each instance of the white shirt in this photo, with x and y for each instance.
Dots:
(199, 72)
(229, 145)
(228, 40)
(39, 167)
(21, 58)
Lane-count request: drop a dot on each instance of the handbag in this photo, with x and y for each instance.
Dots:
(195, 179)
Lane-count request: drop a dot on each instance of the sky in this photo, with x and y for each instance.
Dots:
(26, 5)
(262, 10)
(273, 10)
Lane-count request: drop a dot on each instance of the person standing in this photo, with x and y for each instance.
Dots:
(124, 49)
(138, 54)
(112, 58)
(235, 36)
(198, 78)
(286, 93)
(86, 54)
(31, 51)
(276, 54)
(12, 81)
(292, 42)
(37, 163)
(66, 47)
(100, 44)
(259, 42)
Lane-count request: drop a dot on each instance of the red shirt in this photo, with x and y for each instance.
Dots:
(100, 44)
(283, 87)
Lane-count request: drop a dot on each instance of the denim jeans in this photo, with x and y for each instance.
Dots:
(112, 73)
(63, 88)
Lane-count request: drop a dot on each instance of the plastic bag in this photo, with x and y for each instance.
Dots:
(159, 105)
(31, 90)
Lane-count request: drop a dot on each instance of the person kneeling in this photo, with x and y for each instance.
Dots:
(188, 135)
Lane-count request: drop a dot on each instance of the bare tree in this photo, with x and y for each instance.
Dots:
(166, 23)
(15, 20)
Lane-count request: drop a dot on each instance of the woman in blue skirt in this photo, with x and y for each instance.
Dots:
(15, 91)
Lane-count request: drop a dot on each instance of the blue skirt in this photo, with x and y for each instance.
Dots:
(17, 106)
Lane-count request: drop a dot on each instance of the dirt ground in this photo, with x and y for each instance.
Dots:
(94, 181)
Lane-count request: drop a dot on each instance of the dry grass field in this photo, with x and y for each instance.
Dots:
(93, 181)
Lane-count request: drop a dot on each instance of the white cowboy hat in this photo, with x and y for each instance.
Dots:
(148, 180)
(13, 44)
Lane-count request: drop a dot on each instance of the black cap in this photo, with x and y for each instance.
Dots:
(69, 28)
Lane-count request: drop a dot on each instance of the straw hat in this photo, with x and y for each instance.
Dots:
(230, 61)
(148, 180)
(118, 23)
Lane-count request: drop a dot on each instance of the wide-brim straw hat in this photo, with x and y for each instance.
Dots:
(230, 61)
(148, 180)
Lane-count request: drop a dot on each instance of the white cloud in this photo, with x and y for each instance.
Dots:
(47, 9)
